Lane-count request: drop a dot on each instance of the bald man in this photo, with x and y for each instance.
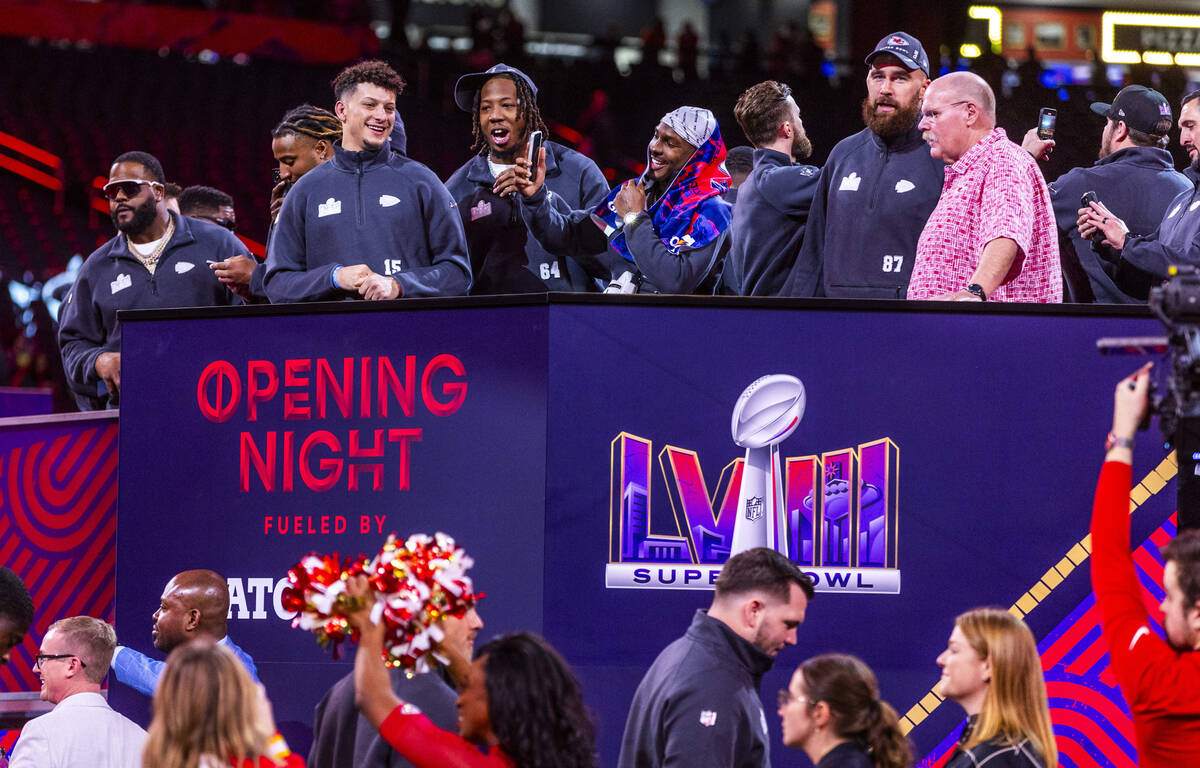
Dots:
(193, 605)
(992, 235)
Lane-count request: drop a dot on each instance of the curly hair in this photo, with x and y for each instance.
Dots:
(535, 704)
(760, 110)
(373, 72)
(307, 120)
(528, 112)
(15, 602)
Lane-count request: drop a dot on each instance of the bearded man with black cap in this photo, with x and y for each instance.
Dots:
(504, 257)
(876, 190)
(1175, 238)
(1135, 178)
(664, 232)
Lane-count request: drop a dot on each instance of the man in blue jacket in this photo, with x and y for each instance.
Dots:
(369, 223)
(877, 188)
(1176, 241)
(1135, 178)
(194, 605)
(158, 260)
(773, 201)
(505, 258)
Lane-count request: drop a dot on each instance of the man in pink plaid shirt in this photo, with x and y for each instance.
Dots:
(992, 236)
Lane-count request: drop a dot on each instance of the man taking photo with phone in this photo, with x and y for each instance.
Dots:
(1135, 178)
(506, 125)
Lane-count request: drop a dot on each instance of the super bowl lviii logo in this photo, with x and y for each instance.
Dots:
(833, 513)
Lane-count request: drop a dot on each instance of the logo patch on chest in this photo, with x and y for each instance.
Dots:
(330, 207)
(708, 718)
(183, 266)
(850, 183)
(904, 185)
(122, 282)
(481, 209)
(387, 201)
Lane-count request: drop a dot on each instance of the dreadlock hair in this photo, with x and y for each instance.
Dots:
(307, 120)
(15, 602)
(535, 704)
(373, 72)
(528, 112)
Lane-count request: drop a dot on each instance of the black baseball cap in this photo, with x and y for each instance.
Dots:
(904, 47)
(467, 85)
(1137, 106)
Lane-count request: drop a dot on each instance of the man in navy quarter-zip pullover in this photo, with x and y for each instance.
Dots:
(876, 190)
(773, 201)
(158, 260)
(369, 223)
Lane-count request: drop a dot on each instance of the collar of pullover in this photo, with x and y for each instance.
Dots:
(345, 160)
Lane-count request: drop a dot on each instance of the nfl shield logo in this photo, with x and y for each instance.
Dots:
(754, 508)
(708, 718)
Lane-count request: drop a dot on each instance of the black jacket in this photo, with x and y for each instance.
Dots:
(505, 258)
(698, 705)
(1137, 184)
(872, 202)
(375, 208)
(768, 225)
(343, 738)
(112, 279)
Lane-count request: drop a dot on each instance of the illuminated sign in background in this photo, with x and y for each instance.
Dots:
(1151, 38)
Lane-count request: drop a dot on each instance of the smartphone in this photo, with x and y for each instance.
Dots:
(1085, 201)
(1046, 120)
(535, 143)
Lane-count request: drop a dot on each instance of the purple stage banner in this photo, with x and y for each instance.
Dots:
(581, 451)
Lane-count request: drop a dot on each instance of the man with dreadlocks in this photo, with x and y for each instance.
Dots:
(662, 233)
(368, 203)
(504, 258)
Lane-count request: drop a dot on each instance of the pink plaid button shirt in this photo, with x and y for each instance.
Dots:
(994, 190)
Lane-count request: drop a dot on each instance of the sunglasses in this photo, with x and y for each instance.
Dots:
(220, 221)
(127, 187)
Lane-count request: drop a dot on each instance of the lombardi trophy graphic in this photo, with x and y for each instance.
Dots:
(765, 414)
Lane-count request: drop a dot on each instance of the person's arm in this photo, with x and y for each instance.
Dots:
(449, 271)
(81, 336)
(288, 278)
(1134, 648)
(137, 670)
(1145, 252)
(569, 234)
(669, 272)
(725, 740)
(402, 725)
(807, 276)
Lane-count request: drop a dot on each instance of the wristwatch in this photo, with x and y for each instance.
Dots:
(1117, 442)
(976, 289)
(631, 217)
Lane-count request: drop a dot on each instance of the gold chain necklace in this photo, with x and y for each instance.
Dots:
(151, 262)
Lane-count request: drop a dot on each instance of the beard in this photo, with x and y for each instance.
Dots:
(801, 147)
(143, 216)
(892, 124)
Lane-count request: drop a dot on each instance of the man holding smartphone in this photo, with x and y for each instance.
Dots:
(1135, 178)
(507, 125)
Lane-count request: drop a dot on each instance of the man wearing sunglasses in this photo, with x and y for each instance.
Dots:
(158, 260)
(81, 729)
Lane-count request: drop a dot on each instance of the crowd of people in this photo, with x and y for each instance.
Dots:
(514, 702)
(930, 200)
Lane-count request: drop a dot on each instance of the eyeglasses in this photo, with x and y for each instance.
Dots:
(933, 114)
(785, 697)
(220, 221)
(127, 187)
(39, 658)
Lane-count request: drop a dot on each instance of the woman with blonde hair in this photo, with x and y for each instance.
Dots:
(833, 712)
(209, 713)
(991, 668)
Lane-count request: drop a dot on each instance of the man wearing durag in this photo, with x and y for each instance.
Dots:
(663, 232)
